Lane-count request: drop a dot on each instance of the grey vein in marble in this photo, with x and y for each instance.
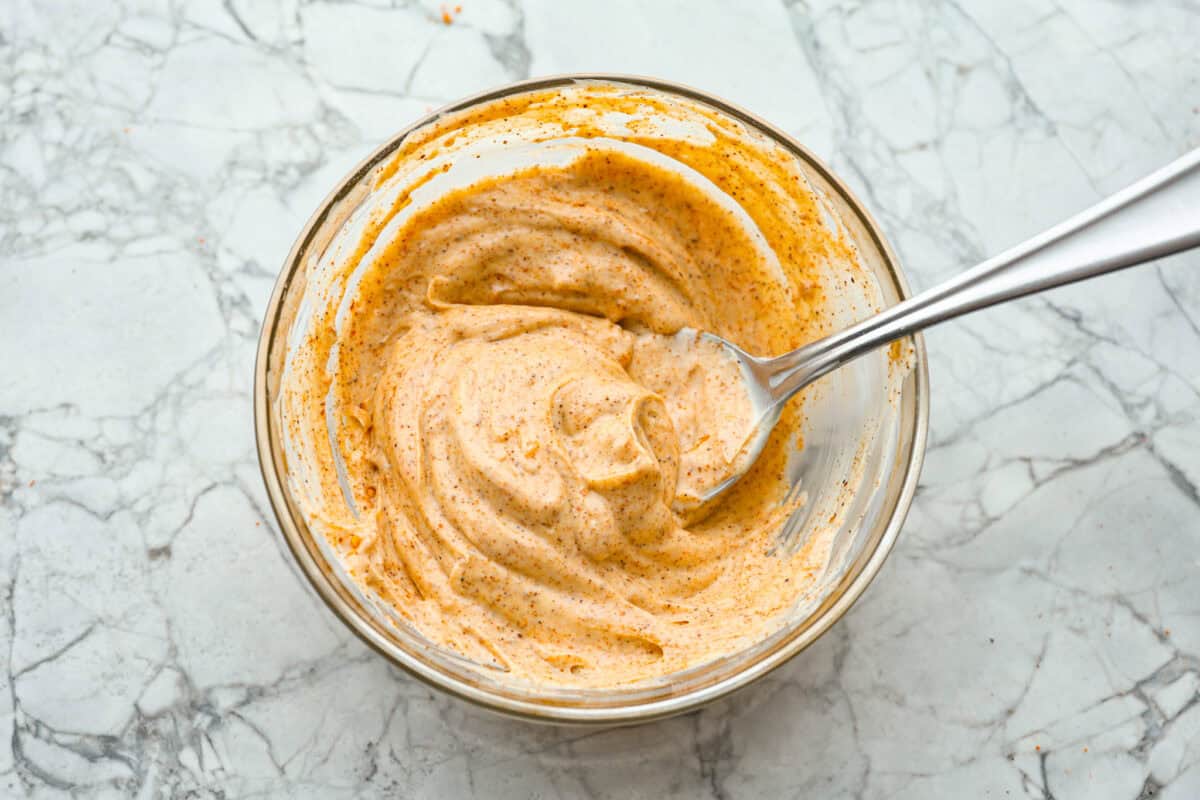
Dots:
(1036, 633)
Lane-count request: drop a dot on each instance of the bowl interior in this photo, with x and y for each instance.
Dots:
(864, 436)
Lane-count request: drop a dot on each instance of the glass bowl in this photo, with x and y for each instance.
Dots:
(864, 436)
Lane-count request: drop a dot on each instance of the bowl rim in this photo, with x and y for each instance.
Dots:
(633, 713)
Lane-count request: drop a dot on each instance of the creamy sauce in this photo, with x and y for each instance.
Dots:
(501, 404)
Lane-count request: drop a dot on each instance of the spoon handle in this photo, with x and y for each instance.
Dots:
(1155, 217)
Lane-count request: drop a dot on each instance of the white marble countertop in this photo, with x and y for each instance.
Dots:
(1035, 634)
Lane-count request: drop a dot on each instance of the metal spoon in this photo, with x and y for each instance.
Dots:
(1155, 217)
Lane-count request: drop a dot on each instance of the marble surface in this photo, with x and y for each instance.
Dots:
(1036, 634)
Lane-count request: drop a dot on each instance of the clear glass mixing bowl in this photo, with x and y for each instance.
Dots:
(864, 441)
